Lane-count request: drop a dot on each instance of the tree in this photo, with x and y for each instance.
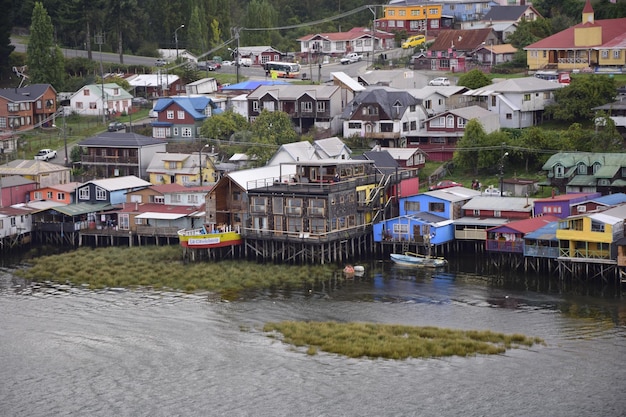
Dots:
(196, 32)
(45, 61)
(474, 79)
(607, 138)
(466, 154)
(223, 126)
(6, 48)
(269, 131)
(576, 101)
(259, 14)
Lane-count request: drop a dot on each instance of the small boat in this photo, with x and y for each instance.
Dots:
(201, 238)
(349, 270)
(415, 259)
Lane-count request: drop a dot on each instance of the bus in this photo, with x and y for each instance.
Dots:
(282, 69)
(554, 76)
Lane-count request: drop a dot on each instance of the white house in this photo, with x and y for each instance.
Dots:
(339, 43)
(437, 99)
(89, 100)
(519, 102)
(171, 54)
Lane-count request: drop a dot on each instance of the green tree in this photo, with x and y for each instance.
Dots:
(45, 61)
(269, 131)
(196, 33)
(578, 138)
(607, 138)
(466, 154)
(223, 126)
(575, 102)
(259, 14)
(6, 23)
(474, 79)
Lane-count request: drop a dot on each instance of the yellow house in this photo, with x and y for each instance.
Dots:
(412, 18)
(592, 45)
(592, 236)
(182, 168)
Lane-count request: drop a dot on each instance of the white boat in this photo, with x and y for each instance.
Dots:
(415, 259)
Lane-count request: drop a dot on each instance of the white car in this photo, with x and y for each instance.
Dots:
(46, 154)
(493, 191)
(439, 81)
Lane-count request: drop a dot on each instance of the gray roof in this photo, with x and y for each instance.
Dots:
(385, 97)
(454, 194)
(14, 181)
(330, 147)
(523, 85)
(28, 93)
(120, 183)
(429, 90)
(383, 161)
(511, 13)
(293, 92)
(519, 204)
(120, 140)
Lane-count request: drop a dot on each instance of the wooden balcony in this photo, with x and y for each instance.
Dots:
(110, 160)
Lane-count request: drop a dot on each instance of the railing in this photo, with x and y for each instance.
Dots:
(584, 253)
(541, 251)
(110, 159)
(513, 246)
(314, 237)
(470, 234)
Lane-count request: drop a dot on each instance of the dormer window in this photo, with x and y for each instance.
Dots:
(582, 169)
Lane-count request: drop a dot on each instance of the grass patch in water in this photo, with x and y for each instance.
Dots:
(162, 267)
(357, 340)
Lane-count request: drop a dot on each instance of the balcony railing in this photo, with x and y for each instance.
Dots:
(109, 160)
(512, 246)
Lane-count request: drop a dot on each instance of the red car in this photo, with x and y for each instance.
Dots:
(444, 184)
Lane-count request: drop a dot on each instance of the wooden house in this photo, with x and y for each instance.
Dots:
(41, 172)
(154, 218)
(61, 193)
(561, 205)
(109, 190)
(195, 169)
(542, 243)
(599, 203)
(509, 237)
(15, 189)
(15, 226)
(510, 208)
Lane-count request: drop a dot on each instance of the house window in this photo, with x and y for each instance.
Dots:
(60, 196)
(321, 106)
(277, 205)
(436, 207)
(317, 207)
(86, 92)
(354, 125)
(402, 12)
(255, 106)
(170, 114)
(509, 116)
(317, 225)
(391, 12)
(413, 125)
(428, 104)
(293, 207)
(158, 199)
(415, 12)
(186, 132)
(476, 213)
(497, 213)
(306, 107)
(79, 105)
(450, 121)
(526, 97)
(184, 179)
(433, 11)
(258, 205)
(401, 228)
(192, 199)
(93, 105)
(582, 169)
(405, 126)
(339, 46)
(605, 54)
(101, 194)
(174, 131)
(617, 53)
(38, 195)
(49, 195)
(559, 171)
(412, 206)
(83, 193)
(294, 224)
(180, 115)
(460, 122)
(176, 198)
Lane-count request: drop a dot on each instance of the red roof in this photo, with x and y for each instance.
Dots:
(563, 197)
(526, 225)
(156, 208)
(611, 30)
(588, 8)
(168, 188)
(352, 34)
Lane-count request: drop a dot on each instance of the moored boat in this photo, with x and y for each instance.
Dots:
(201, 238)
(415, 259)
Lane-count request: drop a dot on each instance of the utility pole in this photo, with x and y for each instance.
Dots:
(99, 41)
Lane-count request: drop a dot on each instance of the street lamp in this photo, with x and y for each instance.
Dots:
(504, 155)
(176, 39)
(200, 163)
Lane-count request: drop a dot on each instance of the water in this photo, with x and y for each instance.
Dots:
(72, 352)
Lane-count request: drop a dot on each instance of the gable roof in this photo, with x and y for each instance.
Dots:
(330, 147)
(298, 151)
(194, 106)
(14, 181)
(97, 91)
(383, 161)
(352, 34)
(120, 183)
(294, 91)
(570, 159)
(518, 204)
(342, 78)
(508, 13)
(30, 167)
(454, 194)
(152, 80)
(256, 50)
(610, 216)
(28, 93)
(516, 85)
(252, 85)
(248, 179)
(461, 39)
(120, 140)
(526, 225)
(608, 200)
(444, 90)
(613, 35)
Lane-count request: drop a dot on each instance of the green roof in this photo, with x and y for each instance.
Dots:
(82, 208)
(583, 180)
(607, 171)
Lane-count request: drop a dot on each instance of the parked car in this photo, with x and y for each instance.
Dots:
(227, 63)
(46, 154)
(413, 41)
(351, 58)
(208, 66)
(160, 62)
(115, 126)
(439, 81)
(493, 191)
(140, 102)
(445, 184)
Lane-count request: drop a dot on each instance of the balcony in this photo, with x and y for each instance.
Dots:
(110, 160)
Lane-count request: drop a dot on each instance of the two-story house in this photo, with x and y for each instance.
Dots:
(591, 45)
(561, 205)
(360, 40)
(110, 190)
(414, 16)
(42, 173)
(383, 114)
(180, 118)
(161, 84)
(98, 99)
(573, 172)
(441, 132)
(23, 109)
(330, 148)
(196, 169)
(113, 154)
(308, 106)
(437, 99)
(509, 237)
(519, 102)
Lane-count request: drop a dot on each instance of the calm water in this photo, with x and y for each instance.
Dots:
(72, 352)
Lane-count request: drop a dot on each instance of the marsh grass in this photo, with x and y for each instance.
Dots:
(162, 267)
(370, 340)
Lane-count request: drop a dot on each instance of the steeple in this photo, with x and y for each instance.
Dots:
(588, 15)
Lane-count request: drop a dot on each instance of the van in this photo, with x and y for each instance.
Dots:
(413, 41)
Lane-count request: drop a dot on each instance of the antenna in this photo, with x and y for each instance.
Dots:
(20, 72)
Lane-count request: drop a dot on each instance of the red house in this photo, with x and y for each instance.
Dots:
(15, 189)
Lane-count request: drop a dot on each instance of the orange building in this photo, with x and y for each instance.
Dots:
(414, 18)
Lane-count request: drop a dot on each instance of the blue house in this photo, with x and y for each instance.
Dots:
(109, 190)
(426, 218)
(180, 118)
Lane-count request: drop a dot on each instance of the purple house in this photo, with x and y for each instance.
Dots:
(560, 205)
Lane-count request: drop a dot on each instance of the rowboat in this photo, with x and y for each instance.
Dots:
(201, 238)
(415, 259)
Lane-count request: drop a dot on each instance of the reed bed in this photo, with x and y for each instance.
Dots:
(357, 340)
(161, 267)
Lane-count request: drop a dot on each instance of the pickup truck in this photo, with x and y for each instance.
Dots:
(351, 58)
(46, 154)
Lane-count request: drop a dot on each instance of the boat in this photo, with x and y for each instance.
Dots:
(415, 259)
(203, 238)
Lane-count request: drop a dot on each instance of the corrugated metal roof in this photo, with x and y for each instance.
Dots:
(348, 81)
(160, 216)
(120, 183)
(526, 225)
(520, 204)
(83, 208)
